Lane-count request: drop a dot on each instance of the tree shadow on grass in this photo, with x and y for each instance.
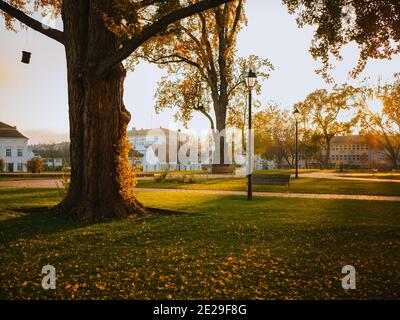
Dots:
(35, 222)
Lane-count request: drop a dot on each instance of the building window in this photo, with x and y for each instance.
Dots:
(8, 152)
(19, 152)
(10, 167)
(20, 167)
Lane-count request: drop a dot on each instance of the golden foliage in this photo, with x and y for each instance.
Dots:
(125, 174)
(204, 73)
(44, 7)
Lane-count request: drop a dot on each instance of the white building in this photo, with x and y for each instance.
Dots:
(53, 163)
(358, 151)
(157, 149)
(263, 164)
(13, 149)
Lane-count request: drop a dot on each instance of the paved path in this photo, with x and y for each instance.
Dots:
(42, 183)
(341, 176)
(34, 183)
(279, 194)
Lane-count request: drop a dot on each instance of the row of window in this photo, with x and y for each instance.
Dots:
(9, 152)
(144, 141)
(10, 166)
(346, 157)
(350, 147)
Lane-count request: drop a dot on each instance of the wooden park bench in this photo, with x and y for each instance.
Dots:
(276, 179)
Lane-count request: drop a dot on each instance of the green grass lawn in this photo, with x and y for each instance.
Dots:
(223, 248)
(301, 185)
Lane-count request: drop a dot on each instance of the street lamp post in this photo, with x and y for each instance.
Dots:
(178, 146)
(250, 81)
(296, 114)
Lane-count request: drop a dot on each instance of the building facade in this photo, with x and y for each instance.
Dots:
(52, 163)
(263, 164)
(156, 150)
(358, 152)
(13, 149)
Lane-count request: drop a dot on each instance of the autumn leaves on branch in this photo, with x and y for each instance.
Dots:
(138, 9)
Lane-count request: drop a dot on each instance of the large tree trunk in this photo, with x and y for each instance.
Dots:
(224, 164)
(327, 154)
(101, 179)
(394, 162)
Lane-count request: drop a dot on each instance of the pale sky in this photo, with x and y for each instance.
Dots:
(34, 97)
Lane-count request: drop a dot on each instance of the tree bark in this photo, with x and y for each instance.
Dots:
(220, 143)
(327, 154)
(394, 162)
(101, 179)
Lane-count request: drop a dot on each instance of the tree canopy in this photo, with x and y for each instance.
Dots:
(373, 25)
(383, 125)
(331, 112)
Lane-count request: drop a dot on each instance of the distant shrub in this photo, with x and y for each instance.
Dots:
(162, 177)
(66, 177)
(181, 179)
(189, 179)
(2, 164)
(35, 165)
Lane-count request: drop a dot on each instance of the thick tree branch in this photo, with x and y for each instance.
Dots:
(32, 23)
(154, 29)
(220, 18)
(195, 40)
(238, 14)
(211, 70)
(201, 109)
(200, 47)
(176, 58)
